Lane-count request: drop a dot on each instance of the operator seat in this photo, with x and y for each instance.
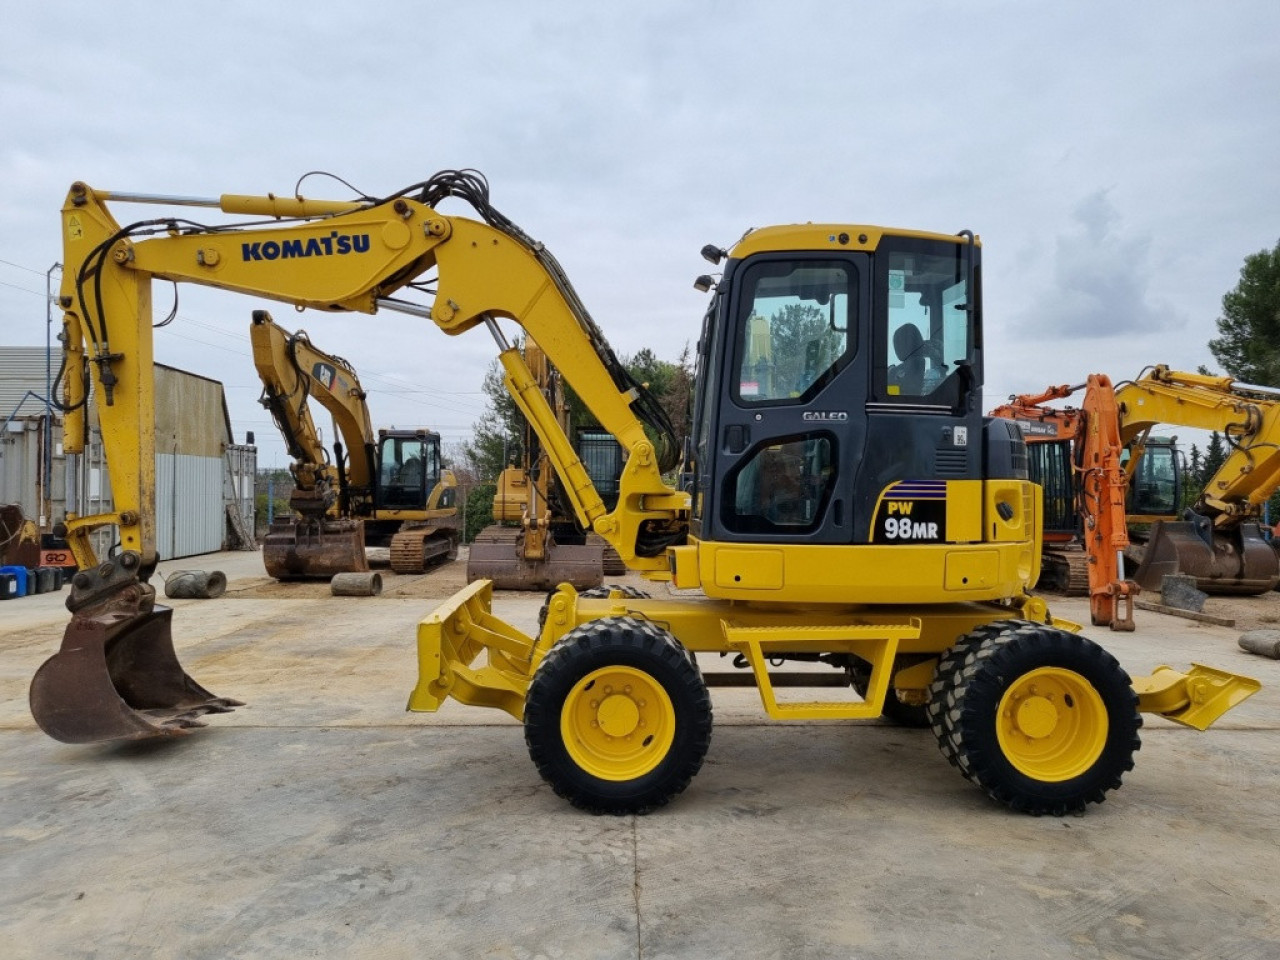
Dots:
(908, 374)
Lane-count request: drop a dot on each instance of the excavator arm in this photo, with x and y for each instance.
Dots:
(1220, 542)
(353, 257)
(1098, 482)
(292, 370)
(1247, 417)
(345, 256)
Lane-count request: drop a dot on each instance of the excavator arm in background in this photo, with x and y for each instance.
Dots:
(386, 489)
(323, 538)
(532, 545)
(1220, 541)
(1096, 486)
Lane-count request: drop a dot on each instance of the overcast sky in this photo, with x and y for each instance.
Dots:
(1118, 160)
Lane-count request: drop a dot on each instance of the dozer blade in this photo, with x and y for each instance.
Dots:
(1231, 562)
(582, 566)
(117, 677)
(1196, 698)
(451, 641)
(302, 550)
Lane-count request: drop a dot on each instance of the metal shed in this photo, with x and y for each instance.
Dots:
(204, 481)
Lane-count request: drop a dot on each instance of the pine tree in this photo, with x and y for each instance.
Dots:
(1249, 345)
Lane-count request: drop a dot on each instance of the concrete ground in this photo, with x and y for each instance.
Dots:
(322, 820)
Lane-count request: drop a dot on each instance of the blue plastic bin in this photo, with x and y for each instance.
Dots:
(19, 575)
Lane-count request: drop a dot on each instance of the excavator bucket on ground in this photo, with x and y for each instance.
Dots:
(1239, 561)
(498, 554)
(314, 549)
(116, 676)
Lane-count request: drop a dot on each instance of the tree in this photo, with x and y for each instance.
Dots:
(1215, 455)
(498, 433)
(1192, 486)
(1249, 345)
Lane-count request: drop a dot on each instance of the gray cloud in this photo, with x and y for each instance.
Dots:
(1104, 282)
(627, 136)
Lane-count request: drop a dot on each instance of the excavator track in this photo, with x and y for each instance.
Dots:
(416, 549)
(1064, 571)
(497, 555)
(613, 565)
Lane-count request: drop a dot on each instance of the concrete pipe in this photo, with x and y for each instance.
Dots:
(196, 585)
(363, 584)
(1266, 643)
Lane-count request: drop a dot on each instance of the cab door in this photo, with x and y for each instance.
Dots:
(781, 420)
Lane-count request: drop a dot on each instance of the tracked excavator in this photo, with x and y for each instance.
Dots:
(535, 543)
(1084, 468)
(384, 490)
(849, 507)
(1218, 540)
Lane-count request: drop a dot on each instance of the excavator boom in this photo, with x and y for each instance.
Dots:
(532, 545)
(1220, 541)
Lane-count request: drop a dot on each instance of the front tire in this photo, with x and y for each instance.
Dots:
(617, 718)
(1043, 720)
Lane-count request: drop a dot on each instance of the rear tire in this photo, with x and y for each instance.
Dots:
(942, 706)
(617, 718)
(1044, 721)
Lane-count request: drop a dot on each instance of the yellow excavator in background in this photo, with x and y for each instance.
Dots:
(383, 490)
(534, 542)
(1219, 541)
(849, 507)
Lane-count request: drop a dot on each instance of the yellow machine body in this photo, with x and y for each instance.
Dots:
(898, 553)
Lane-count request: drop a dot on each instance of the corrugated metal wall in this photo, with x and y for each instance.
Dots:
(199, 472)
(23, 369)
(189, 513)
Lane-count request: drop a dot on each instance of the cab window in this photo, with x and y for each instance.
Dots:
(782, 487)
(795, 329)
(927, 326)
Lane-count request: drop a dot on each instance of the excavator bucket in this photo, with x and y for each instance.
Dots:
(1223, 562)
(302, 549)
(117, 677)
(498, 556)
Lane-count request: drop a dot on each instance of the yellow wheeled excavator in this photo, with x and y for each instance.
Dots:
(848, 505)
(535, 543)
(384, 490)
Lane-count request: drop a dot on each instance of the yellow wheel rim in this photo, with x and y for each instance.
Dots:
(617, 723)
(1052, 724)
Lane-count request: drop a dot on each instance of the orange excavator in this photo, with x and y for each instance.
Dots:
(1102, 459)
(1078, 457)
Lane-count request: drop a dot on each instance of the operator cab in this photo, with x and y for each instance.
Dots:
(1155, 485)
(408, 468)
(839, 374)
